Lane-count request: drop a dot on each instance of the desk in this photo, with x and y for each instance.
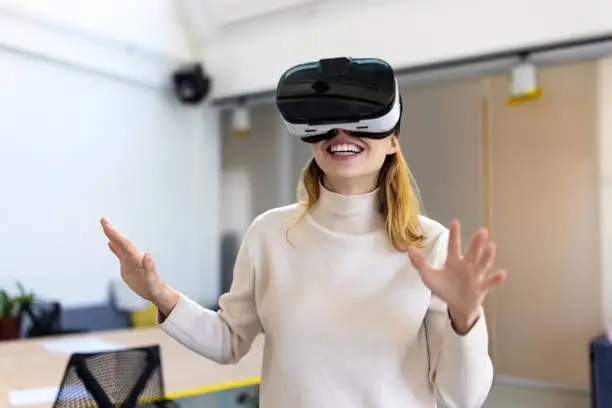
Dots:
(26, 364)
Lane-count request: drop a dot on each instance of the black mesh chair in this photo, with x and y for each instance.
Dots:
(113, 379)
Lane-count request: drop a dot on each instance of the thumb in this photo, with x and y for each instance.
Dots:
(147, 262)
(429, 275)
(417, 259)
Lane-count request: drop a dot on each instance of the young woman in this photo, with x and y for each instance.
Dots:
(363, 301)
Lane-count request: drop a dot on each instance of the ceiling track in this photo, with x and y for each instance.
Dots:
(556, 53)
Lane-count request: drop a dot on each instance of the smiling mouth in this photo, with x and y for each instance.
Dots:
(344, 150)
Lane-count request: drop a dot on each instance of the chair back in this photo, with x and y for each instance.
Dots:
(113, 379)
(44, 318)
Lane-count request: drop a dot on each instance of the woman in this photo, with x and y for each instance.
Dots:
(363, 302)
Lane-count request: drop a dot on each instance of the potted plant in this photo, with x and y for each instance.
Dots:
(11, 312)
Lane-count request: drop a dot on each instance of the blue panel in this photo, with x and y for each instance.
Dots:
(601, 372)
(94, 318)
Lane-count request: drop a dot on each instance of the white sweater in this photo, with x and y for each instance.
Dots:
(348, 322)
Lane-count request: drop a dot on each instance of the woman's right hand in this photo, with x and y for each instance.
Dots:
(138, 271)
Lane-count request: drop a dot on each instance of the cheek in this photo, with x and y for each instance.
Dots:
(386, 146)
(377, 150)
(377, 154)
(376, 158)
(317, 150)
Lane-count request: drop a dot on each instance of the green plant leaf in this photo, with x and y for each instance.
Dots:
(6, 304)
(11, 306)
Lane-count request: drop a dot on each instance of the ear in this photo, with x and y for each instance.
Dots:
(393, 144)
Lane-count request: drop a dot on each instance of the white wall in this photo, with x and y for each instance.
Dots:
(139, 40)
(77, 145)
(147, 24)
(250, 56)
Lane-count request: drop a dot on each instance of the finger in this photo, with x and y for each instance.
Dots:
(454, 241)
(106, 227)
(148, 263)
(495, 279)
(110, 232)
(476, 243)
(120, 241)
(485, 260)
(114, 250)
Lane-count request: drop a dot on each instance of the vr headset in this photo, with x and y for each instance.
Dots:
(358, 95)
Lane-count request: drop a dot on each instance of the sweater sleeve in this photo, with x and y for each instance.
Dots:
(224, 336)
(461, 371)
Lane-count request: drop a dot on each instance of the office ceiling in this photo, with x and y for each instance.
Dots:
(224, 13)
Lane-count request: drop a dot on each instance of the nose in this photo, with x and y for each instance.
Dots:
(341, 132)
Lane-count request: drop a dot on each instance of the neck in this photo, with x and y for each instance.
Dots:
(351, 187)
(348, 213)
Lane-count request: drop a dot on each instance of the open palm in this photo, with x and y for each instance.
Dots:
(465, 280)
(137, 269)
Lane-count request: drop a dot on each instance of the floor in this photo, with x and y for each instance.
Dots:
(508, 396)
(501, 396)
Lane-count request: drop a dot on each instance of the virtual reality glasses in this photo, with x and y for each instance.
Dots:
(359, 95)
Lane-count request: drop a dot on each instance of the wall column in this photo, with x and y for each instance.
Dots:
(604, 107)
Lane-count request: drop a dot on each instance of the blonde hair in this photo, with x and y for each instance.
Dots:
(398, 202)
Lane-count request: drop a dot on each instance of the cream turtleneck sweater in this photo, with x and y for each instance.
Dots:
(348, 322)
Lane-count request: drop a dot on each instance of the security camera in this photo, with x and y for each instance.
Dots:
(191, 84)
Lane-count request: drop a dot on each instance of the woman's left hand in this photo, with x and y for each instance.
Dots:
(464, 281)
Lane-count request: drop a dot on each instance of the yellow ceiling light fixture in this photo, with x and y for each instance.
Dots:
(241, 120)
(524, 83)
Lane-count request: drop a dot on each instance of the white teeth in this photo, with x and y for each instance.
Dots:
(345, 149)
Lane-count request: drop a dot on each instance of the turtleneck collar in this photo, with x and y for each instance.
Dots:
(350, 214)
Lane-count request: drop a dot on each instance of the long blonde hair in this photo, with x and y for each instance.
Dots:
(398, 202)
